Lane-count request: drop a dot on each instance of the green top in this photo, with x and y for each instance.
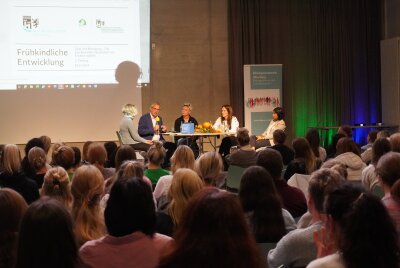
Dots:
(155, 174)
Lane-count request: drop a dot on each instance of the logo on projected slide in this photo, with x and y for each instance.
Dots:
(82, 22)
(100, 23)
(30, 23)
(262, 101)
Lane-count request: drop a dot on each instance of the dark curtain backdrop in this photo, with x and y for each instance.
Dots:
(330, 55)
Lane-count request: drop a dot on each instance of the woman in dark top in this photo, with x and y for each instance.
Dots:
(12, 176)
(304, 160)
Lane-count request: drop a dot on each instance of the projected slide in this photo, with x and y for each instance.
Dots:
(57, 43)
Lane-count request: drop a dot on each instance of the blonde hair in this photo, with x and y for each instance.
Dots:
(209, 167)
(97, 154)
(185, 183)
(56, 185)
(11, 159)
(183, 157)
(129, 110)
(86, 188)
(131, 169)
(156, 153)
(37, 158)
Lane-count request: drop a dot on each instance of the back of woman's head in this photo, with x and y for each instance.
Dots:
(131, 169)
(209, 167)
(130, 208)
(85, 149)
(56, 185)
(379, 148)
(395, 142)
(63, 156)
(183, 157)
(185, 184)
(34, 142)
(337, 166)
(156, 153)
(97, 154)
(46, 140)
(258, 195)
(77, 156)
(347, 145)
(11, 159)
(46, 237)
(213, 226)
(313, 139)
(302, 150)
(367, 237)
(37, 158)
(271, 161)
(86, 188)
(12, 208)
(388, 170)
(124, 153)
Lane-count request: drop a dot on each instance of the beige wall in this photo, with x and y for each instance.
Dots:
(190, 59)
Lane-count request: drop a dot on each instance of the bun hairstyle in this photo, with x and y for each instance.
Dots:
(56, 185)
(156, 153)
(279, 111)
(64, 156)
(37, 158)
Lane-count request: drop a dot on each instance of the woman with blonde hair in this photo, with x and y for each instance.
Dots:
(129, 132)
(209, 167)
(56, 185)
(183, 157)
(38, 162)
(87, 188)
(185, 184)
(12, 176)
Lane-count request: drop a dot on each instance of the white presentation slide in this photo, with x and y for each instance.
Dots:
(54, 43)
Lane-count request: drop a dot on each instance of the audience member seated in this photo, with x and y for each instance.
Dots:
(12, 176)
(359, 232)
(64, 157)
(151, 128)
(395, 142)
(156, 155)
(85, 149)
(383, 134)
(261, 202)
(97, 156)
(77, 158)
(130, 220)
(312, 136)
(346, 131)
(182, 158)
(366, 150)
(245, 156)
(292, 198)
(46, 140)
(388, 172)
(287, 154)
(111, 149)
(266, 138)
(331, 150)
(46, 237)
(186, 118)
(348, 154)
(368, 176)
(128, 131)
(56, 185)
(213, 233)
(25, 166)
(304, 161)
(227, 122)
(86, 188)
(38, 161)
(209, 167)
(297, 248)
(12, 208)
(184, 185)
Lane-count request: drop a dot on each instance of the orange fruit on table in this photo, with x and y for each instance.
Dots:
(206, 125)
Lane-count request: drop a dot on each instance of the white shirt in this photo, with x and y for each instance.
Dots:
(234, 125)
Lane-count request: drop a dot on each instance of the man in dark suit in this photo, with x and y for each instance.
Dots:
(151, 127)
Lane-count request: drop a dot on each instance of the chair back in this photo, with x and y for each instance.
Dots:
(234, 176)
(119, 137)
